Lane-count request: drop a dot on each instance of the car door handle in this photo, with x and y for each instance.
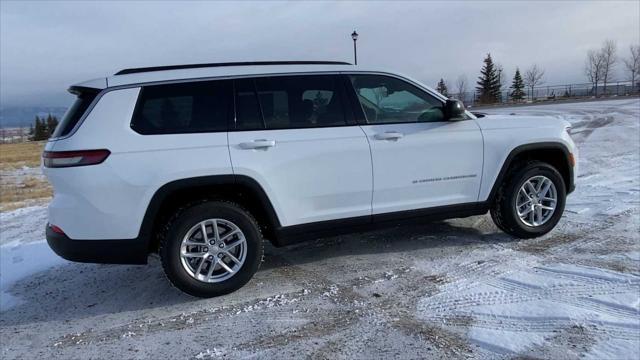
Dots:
(258, 144)
(389, 135)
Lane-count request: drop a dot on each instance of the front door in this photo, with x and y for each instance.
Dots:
(420, 160)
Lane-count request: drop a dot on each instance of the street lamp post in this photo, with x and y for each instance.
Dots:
(354, 36)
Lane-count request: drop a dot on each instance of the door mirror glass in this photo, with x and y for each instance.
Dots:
(454, 110)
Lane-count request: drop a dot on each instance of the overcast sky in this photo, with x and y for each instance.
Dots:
(46, 46)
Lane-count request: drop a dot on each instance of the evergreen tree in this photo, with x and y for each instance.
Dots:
(488, 82)
(517, 86)
(52, 122)
(442, 87)
(39, 130)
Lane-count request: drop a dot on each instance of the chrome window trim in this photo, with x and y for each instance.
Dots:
(232, 77)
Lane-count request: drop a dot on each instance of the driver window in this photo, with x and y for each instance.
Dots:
(388, 100)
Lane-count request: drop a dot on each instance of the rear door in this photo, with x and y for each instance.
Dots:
(296, 136)
(419, 159)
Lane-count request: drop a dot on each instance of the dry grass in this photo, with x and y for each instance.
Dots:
(15, 156)
(21, 183)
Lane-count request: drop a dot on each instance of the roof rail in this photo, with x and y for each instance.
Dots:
(244, 63)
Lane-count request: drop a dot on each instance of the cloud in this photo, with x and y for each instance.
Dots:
(46, 46)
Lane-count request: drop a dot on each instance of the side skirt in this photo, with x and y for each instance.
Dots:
(297, 233)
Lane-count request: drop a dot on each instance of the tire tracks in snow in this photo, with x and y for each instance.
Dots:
(586, 235)
(577, 291)
(541, 324)
(519, 294)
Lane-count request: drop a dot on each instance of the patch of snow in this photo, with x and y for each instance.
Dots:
(23, 172)
(613, 349)
(333, 291)
(23, 251)
(390, 275)
(505, 342)
(274, 301)
(23, 225)
(209, 354)
(18, 261)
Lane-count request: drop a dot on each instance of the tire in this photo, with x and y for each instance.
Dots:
(504, 212)
(184, 236)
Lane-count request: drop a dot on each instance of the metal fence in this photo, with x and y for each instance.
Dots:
(557, 92)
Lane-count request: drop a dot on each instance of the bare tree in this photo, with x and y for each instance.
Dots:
(502, 78)
(461, 86)
(594, 68)
(609, 55)
(633, 64)
(533, 77)
(379, 93)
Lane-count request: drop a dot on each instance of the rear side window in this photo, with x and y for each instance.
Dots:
(183, 108)
(290, 102)
(73, 114)
(248, 114)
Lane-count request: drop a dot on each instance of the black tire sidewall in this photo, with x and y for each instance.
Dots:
(170, 252)
(513, 223)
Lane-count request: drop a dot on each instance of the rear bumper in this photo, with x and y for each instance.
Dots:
(130, 251)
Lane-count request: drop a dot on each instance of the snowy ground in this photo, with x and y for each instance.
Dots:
(454, 289)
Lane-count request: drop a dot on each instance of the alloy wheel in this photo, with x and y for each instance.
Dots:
(536, 201)
(213, 250)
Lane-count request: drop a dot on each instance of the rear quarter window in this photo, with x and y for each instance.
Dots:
(183, 108)
(73, 114)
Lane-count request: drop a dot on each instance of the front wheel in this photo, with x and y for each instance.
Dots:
(211, 248)
(530, 202)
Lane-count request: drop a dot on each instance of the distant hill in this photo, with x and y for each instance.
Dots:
(23, 116)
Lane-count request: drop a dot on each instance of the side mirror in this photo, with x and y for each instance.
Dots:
(453, 109)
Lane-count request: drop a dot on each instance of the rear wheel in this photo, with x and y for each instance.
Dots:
(531, 201)
(211, 249)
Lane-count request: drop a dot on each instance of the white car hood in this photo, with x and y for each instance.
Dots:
(495, 122)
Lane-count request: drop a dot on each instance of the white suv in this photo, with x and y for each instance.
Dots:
(202, 162)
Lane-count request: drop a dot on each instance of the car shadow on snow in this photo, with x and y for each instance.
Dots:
(399, 239)
(76, 291)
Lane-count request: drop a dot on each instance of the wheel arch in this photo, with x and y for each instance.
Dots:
(241, 189)
(554, 153)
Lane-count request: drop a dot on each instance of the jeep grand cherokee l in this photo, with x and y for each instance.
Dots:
(201, 163)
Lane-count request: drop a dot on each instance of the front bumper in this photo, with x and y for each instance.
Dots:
(129, 251)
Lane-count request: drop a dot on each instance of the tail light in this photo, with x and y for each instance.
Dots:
(59, 159)
(572, 160)
(56, 229)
